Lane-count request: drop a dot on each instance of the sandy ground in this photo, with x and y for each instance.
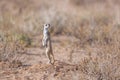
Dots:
(35, 63)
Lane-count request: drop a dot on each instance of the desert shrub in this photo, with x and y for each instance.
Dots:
(103, 65)
(11, 50)
(25, 40)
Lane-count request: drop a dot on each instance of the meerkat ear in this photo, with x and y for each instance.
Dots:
(49, 25)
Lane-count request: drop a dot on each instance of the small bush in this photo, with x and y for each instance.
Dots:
(11, 51)
(25, 40)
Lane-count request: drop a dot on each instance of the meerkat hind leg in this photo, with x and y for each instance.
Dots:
(48, 55)
(52, 58)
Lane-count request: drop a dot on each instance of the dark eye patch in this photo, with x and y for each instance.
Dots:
(49, 25)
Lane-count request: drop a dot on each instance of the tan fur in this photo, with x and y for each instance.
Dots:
(47, 43)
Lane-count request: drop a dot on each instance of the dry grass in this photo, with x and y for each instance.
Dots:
(11, 51)
(95, 25)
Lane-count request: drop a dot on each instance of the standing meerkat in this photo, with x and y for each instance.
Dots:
(46, 41)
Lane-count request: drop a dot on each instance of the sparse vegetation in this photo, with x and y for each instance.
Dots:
(85, 36)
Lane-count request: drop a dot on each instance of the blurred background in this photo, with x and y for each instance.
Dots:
(85, 32)
(66, 16)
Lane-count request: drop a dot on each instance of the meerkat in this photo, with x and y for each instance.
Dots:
(46, 41)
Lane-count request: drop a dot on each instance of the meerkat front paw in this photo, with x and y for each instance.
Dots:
(44, 44)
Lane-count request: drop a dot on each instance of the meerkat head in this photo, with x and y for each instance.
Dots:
(46, 26)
